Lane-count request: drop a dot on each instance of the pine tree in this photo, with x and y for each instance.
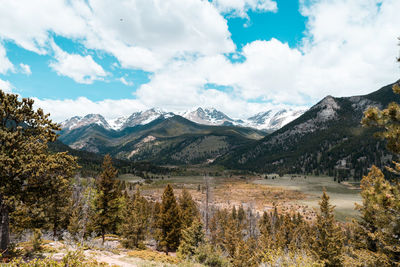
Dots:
(108, 199)
(24, 159)
(231, 236)
(234, 215)
(59, 193)
(136, 221)
(189, 211)
(265, 231)
(241, 215)
(246, 253)
(378, 229)
(155, 231)
(192, 238)
(328, 240)
(169, 221)
(379, 226)
(74, 225)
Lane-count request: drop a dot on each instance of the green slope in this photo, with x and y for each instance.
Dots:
(173, 140)
(314, 143)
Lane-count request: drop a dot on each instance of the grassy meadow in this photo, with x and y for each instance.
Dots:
(343, 195)
(287, 193)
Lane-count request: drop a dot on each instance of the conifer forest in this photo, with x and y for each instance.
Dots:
(191, 133)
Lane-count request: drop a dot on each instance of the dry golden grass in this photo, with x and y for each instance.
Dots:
(229, 192)
(150, 255)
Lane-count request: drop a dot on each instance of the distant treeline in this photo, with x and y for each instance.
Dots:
(91, 162)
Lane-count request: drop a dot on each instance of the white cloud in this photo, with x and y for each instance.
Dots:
(125, 82)
(350, 49)
(5, 64)
(26, 69)
(82, 69)
(5, 86)
(239, 8)
(29, 22)
(141, 34)
(63, 109)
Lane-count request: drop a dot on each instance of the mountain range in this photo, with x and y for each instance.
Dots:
(268, 121)
(168, 139)
(328, 138)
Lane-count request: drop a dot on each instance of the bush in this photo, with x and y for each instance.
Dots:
(73, 258)
(153, 256)
(36, 240)
(277, 257)
(206, 255)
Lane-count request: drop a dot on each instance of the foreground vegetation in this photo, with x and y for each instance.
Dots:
(38, 195)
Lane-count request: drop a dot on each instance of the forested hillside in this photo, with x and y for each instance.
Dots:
(172, 140)
(327, 139)
(90, 163)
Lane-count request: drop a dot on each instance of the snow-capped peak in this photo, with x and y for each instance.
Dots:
(77, 122)
(207, 116)
(273, 119)
(145, 117)
(116, 124)
(267, 120)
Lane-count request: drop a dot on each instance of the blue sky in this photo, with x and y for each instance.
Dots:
(240, 56)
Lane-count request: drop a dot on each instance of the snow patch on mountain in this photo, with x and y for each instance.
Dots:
(273, 120)
(207, 116)
(117, 123)
(77, 122)
(270, 120)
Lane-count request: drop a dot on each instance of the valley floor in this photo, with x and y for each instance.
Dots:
(289, 193)
(342, 195)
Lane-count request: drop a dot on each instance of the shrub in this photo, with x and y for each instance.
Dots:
(208, 256)
(153, 256)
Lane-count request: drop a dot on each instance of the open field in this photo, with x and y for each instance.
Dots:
(287, 193)
(226, 192)
(343, 195)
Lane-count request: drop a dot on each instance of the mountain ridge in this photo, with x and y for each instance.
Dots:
(164, 140)
(268, 121)
(328, 139)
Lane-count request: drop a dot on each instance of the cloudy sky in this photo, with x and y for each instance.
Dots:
(240, 56)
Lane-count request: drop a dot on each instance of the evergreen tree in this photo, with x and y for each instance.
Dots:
(189, 211)
(59, 194)
(241, 215)
(379, 226)
(192, 238)
(328, 240)
(107, 200)
(24, 159)
(234, 215)
(136, 221)
(74, 225)
(246, 253)
(155, 231)
(169, 221)
(231, 235)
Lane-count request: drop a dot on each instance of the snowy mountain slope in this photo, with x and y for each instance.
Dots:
(273, 120)
(77, 122)
(144, 117)
(207, 116)
(270, 120)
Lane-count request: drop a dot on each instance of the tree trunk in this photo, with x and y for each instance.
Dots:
(55, 232)
(102, 235)
(5, 225)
